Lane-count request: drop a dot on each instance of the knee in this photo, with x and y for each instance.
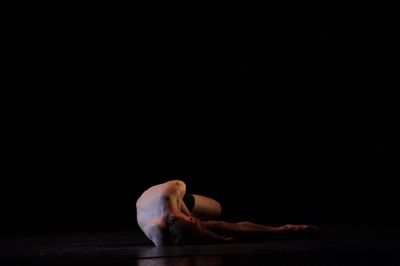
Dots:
(218, 209)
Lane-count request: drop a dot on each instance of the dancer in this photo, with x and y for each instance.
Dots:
(168, 215)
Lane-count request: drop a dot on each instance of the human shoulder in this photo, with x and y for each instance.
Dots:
(175, 182)
(172, 186)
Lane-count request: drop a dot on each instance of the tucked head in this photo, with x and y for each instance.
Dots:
(185, 231)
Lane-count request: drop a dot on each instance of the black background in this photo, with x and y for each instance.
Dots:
(283, 117)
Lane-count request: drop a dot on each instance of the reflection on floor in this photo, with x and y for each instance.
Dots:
(333, 246)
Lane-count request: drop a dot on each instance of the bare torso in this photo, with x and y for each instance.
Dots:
(162, 202)
(156, 205)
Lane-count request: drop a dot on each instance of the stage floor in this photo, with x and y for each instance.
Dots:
(344, 245)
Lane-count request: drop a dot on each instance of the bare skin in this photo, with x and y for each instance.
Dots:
(222, 230)
(165, 201)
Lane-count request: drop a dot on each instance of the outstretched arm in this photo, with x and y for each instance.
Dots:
(249, 228)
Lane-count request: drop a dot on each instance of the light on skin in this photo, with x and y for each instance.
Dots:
(164, 201)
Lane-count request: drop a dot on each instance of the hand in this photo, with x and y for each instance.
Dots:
(300, 228)
(228, 239)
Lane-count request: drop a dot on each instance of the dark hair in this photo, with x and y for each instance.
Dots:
(183, 233)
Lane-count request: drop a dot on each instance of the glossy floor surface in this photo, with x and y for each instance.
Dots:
(351, 245)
